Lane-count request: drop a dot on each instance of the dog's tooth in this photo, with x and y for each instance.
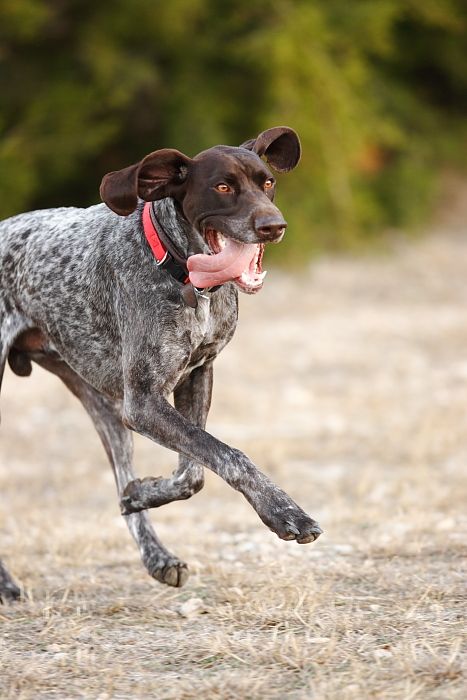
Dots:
(221, 240)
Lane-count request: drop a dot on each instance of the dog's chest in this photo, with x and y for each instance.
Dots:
(209, 329)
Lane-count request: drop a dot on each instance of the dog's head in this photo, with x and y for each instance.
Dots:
(225, 192)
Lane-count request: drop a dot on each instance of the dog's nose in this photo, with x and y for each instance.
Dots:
(270, 227)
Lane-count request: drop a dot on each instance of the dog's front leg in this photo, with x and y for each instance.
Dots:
(151, 415)
(192, 399)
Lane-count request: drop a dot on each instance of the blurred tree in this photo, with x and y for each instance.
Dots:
(376, 88)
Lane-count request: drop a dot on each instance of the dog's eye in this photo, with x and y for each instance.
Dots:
(269, 184)
(222, 187)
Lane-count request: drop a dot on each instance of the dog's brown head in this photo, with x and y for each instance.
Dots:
(225, 192)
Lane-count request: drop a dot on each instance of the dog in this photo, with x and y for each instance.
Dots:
(131, 300)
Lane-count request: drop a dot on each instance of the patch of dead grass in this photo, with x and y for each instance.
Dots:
(360, 412)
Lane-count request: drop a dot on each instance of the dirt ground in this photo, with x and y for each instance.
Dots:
(347, 384)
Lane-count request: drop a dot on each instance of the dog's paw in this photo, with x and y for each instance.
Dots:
(303, 530)
(172, 571)
(290, 522)
(138, 495)
(173, 574)
(156, 491)
(131, 501)
(10, 593)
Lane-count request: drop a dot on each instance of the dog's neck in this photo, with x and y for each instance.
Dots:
(186, 239)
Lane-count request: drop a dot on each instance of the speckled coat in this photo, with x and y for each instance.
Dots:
(81, 295)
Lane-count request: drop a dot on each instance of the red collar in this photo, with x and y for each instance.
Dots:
(152, 237)
(165, 254)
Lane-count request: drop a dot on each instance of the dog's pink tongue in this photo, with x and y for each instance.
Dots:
(209, 270)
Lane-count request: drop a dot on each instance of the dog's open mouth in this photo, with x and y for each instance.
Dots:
(230, 261)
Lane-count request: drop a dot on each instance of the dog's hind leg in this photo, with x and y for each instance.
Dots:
(8, 588)
(10, 326)
(118, 444)
(9, 591)
(192, 399)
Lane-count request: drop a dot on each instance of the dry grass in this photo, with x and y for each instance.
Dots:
(348, 386)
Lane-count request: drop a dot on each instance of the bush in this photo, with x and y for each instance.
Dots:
(376, 89)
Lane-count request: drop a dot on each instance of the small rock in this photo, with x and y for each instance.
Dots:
(382, 653)
(343, 548)
(237, 591)
(318, 640)
(446, 524)
(192, 607)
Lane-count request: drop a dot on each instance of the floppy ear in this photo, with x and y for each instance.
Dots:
(279, 145)
(160, 174)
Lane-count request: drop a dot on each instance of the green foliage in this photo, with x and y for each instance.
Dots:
(377, 90)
